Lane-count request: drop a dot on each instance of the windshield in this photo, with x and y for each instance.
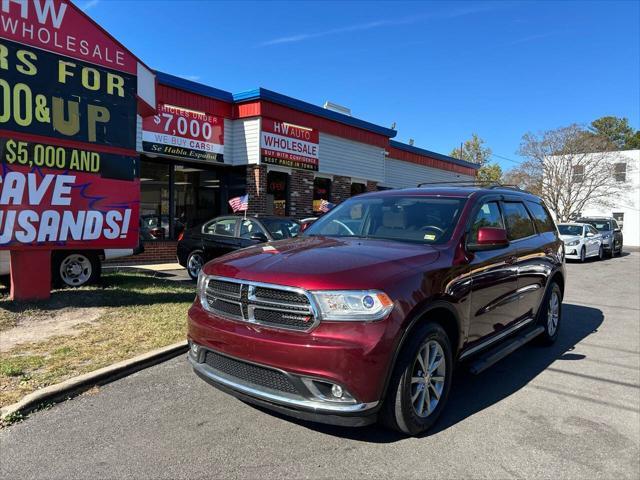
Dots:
(418, 219)
(601, 226)
(570, 229)
(280, 228)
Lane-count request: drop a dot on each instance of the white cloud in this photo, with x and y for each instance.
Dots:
(301, 37)
(89, 5)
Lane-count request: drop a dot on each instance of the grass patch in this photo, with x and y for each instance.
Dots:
(140, 313)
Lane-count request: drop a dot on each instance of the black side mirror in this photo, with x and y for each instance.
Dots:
(259, 237)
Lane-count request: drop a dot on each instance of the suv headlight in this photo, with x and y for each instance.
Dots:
(201, 290)
(349, 305)
(573, 243)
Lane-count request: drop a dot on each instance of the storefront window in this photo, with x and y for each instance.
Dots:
(358, 188)
(321, 191)
(154, 201)
(278, 193)
(197, 196)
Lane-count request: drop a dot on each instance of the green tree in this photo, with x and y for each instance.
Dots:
(473, 150)
(617, 132)
(489, 173)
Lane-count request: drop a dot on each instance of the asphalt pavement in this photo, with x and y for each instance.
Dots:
(567, 411)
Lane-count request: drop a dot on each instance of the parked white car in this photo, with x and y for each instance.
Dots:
(581, 241)
(71, 268)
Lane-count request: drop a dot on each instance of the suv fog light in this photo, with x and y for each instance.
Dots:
(336, 391)
(327, 391)
(195, 348)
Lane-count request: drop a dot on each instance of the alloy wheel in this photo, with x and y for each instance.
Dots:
(553, 313)
(427, 379)
(194, 264)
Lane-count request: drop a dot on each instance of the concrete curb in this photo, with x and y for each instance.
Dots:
(76, 385)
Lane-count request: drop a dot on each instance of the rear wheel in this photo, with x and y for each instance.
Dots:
(551, 314)
(420, 384)
(195, 262)
(75, 269)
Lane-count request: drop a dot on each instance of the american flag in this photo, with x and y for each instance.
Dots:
(239, 204)
(326, 206)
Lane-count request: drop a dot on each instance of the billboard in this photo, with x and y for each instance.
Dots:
(69, 173)
(181, 132)
(289, 145)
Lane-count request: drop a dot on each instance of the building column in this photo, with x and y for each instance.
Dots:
(301, 194)
(340, 189)
(257, 189)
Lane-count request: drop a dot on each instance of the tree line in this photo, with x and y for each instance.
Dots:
(568, 167)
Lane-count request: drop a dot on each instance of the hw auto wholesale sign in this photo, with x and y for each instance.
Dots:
(289, 145)
(69, 171)
(185, 133)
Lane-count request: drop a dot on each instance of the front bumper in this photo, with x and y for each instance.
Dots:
(572, 253)
(355, 356)
(352, 415)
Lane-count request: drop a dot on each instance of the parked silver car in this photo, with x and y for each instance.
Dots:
(581, 241)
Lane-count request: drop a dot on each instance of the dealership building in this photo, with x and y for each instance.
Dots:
(205, 146)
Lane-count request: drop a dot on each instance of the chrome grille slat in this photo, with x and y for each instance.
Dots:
(275, 306)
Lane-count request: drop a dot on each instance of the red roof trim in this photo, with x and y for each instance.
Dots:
(405, 156)
(181, 98)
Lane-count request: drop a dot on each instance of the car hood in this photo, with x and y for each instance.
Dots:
(331, 263)
(570, 238)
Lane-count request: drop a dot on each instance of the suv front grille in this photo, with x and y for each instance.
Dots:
(250, 373)
(270, 305)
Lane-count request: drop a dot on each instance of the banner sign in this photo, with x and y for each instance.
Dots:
(289, 145)
(185, 133)
(69, 172)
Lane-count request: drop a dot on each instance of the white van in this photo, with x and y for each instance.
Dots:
(75, 268)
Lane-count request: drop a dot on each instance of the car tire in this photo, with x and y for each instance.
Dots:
(583, 255)
(75, 269)
(619, 250)
(601, 253)
(407, 397)
(550, 315)
(195, 262)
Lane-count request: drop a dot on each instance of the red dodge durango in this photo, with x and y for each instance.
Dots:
(365, 316)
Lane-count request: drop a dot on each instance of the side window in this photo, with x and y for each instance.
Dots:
(519, 224)
(488, 216)
(592, 230)
(224, 228)
(544, 222)
(249, 227)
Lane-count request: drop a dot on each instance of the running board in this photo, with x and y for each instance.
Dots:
(498, 353)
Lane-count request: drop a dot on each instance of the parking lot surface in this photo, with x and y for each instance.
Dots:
(567, 411)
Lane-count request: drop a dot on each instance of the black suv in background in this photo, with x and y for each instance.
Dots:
(611, 233)
(198, 245)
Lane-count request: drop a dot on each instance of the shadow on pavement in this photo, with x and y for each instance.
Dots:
(473, 393)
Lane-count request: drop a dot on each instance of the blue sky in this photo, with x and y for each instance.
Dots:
(440, 70)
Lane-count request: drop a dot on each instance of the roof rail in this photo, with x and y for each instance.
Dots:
(473, 183)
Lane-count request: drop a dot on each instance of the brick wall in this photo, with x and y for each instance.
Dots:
(257, 188)
(301, 194)
(340, 189)
(154, 252)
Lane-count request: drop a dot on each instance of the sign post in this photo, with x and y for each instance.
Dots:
(69, 171)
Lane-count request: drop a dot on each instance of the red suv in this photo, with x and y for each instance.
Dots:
(365, 316)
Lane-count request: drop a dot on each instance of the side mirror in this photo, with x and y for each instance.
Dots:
(259, 237)
(489, 238)
(589, 234)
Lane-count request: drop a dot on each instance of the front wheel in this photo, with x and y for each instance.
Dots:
(601, 253)
(195, 262)
(75, 269)
(583, 255)
(420, 384)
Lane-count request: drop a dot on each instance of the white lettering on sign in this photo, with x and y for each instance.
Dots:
(43, 10)
(46, 223)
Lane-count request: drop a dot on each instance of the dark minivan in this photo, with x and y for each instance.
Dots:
(366, 315)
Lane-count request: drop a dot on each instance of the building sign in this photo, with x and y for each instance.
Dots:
(289, 145)
(69, 175)
(184, 133)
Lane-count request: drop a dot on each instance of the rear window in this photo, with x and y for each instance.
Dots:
(541, 217)
(519, 224)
